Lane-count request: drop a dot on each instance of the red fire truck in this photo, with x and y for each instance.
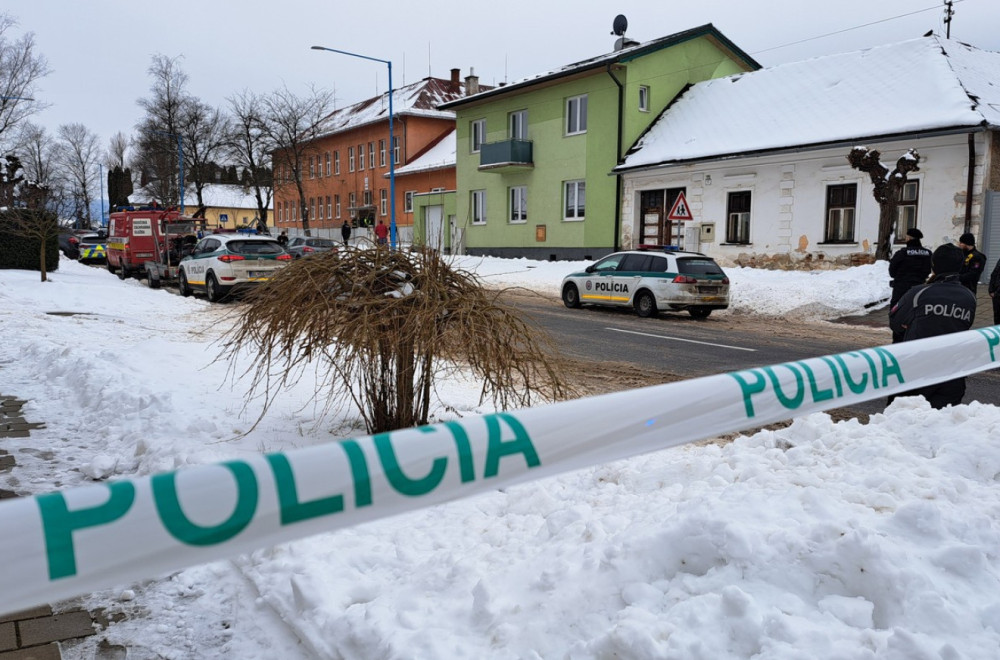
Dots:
(147, 236)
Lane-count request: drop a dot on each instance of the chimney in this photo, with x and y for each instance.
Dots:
(454, 76)
(471, 83)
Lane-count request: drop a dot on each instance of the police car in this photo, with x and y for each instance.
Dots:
(223, 263)
(651, 279)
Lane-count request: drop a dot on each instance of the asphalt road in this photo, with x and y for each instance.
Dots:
(676, 347)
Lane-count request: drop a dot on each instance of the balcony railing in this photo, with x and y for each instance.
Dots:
(506, 155)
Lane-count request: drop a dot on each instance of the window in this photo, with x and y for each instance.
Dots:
(352, 202)
(575, 195)
(906, 212)
(328, 163)
(350, 159)
(841, 201)
(281, 214)
(371, 155)
(738, 217)
(361, 156)
(312, 207)
(518, 204)
(381, 153)
(477, 134)
(408, 201)
(368, 198)
(336, 206)
(517, 123)
(395, 150)
(312, 167)
(329, 208)
(644, 98)
(336, 162)
(478, 200)
(383, 201)
(576, 115)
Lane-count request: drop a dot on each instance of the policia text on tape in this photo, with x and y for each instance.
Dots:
(62, 544)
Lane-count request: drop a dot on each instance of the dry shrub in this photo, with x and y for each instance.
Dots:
(378, 326)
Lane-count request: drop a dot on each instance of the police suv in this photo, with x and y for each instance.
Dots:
(223, 263)
(651, 279)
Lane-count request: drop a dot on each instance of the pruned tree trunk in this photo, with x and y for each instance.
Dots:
(888, 187)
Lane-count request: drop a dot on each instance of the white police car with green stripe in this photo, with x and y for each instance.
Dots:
(224, 263)
(651, 279)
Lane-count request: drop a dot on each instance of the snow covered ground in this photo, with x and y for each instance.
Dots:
(820, 540)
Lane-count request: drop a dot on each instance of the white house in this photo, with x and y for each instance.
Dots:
(761, 157)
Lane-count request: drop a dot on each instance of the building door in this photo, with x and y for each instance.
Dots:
(434, 228)
(655, 228)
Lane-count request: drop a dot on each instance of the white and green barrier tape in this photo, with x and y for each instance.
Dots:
(63, 544)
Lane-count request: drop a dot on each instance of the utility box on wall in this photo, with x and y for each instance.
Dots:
(707, 234)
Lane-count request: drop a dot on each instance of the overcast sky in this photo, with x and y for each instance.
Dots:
(99, 51)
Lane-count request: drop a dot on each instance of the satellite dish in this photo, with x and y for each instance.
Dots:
(620, 25)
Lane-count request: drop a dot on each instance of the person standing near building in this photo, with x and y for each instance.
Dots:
(381, 233)
(994, 291)
(909, 267)
(283, 238)
(345, 232)
(974, 264)
(940, 307)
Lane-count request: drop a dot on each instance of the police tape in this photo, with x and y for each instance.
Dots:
(63, 544)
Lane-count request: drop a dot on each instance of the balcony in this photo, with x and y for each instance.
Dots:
(506, 156)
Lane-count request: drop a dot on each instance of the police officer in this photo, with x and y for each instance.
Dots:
(994, 291)
(908, 267)
(974, 264)
(940, 307)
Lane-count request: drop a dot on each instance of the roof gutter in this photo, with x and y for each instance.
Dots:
(970, 182)
(618, 158)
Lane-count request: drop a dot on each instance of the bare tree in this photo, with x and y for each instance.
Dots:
(205, 131)
(248, 149)
(157, 150)
(37, 152)
(79, 155)
(888, 186)
(380, 326)
(117, 150)
(21, 67)
(292, 125)
(25, 215)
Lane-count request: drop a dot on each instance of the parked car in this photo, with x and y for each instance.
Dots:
(651, 279)
(302, 246)
(69, 244)
(93, 247)
(227, 263)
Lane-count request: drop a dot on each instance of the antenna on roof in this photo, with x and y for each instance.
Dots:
(618, 28)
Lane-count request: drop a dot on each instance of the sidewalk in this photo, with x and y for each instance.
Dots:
(878, 317)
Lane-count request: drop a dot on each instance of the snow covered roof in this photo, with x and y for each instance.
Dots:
(420, 98)
(920, 85)
(215, 195)
(440, 156)
(623, 55)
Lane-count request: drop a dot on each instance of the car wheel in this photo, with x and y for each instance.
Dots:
(153, 282)
(571, 296)
(645, 304)
(700, 312)
(111, 269)
(182, 284)
(213, 291)
(122, 273)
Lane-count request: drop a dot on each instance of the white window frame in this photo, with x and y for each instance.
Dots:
(329, 208)
(350, 159)
(738, 222)
(336, 162)
(371, 154)
(361, 157)
(395, 150)
(576, 115)
(381, 153)
(477, 135)
(383, 200)
(336, 205)
(408, 201)
(312, 167)
(517, 205)
(328, 163)
(477, 201)
(575, 186)
(643, 98)
(517, 125)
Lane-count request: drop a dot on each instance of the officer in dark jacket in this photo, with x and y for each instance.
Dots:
(909, 266)
(974, 264)
(994, 290)
(941, 307)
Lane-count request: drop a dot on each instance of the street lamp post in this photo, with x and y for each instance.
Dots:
(392, 143)
(180, 162)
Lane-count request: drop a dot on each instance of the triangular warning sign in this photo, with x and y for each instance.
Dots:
(680, 210)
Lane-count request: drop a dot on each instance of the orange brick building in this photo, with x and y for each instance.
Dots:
(346, 176)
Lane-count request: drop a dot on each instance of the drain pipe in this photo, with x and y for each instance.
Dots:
(970, 182)
(618, 160)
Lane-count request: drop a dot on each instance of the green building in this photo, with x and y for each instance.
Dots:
(534, 157)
